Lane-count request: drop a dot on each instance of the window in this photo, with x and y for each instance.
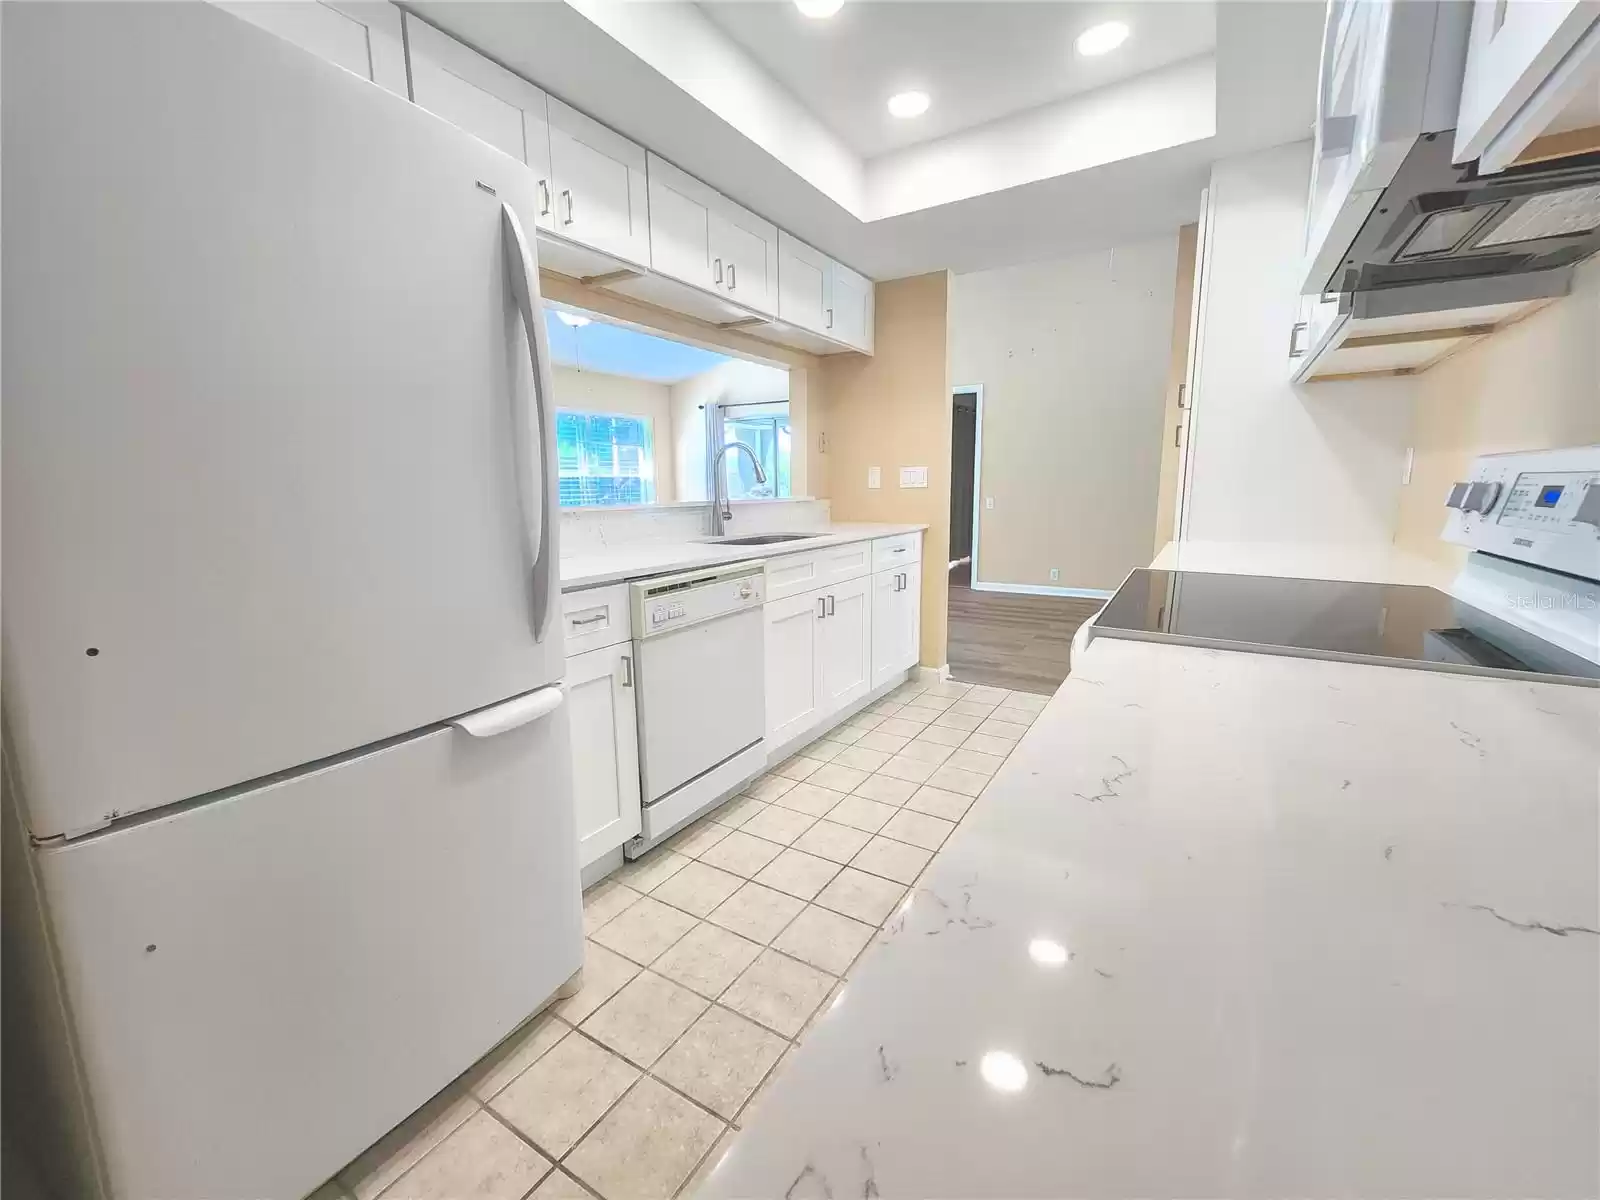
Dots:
(765, 429)
(604, 458)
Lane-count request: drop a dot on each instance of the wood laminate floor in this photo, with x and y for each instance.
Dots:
(1022, 643)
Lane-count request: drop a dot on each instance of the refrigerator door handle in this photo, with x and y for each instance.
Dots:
(529, 420)
(511, 714)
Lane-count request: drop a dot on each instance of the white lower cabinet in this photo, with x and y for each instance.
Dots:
(844, 648)
(896, 622)
(605, 749)
(794, 692)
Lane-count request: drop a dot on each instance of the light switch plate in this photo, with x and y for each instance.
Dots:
(988, 501)
(913, 477)
(874, 477)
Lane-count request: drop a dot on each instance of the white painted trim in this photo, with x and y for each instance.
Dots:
(1197, 328)
(1031, 589)
(975, 389)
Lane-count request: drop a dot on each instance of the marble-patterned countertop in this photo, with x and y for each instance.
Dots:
(1230, 925)
(636, 560)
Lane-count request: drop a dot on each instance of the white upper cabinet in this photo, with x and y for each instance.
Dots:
(699, 236)
(600, 186)
(1526, 61)
(457, 83)
(852, 307)
(363, 37)
(804, 285)
(823, 296)
(744, 252)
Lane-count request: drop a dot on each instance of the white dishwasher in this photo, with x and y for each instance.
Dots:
(701, 690)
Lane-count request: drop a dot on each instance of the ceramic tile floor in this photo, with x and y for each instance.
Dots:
(706, 962)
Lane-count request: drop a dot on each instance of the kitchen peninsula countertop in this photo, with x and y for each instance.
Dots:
(1231, 925)
(636, 560)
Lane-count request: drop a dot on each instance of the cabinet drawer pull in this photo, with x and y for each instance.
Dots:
(716, 270)
(830, 318)
(731, 281)
(599, 616)
(566, 194)
(830, 606)
(627, 671)
(822, 608)
(544, 197)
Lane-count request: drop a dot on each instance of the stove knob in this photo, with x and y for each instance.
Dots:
(1481, 497)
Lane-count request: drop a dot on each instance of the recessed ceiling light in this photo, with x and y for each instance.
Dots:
(908, 104)
(1103, 38)
(1003, 1071)
(571, 319)
(1047, 952)
(817, 9)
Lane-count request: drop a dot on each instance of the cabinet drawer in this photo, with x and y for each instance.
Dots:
(891, 552)
(792, 574)
(841, 563)
(595, 617)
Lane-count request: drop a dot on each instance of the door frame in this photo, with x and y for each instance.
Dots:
(976, 391)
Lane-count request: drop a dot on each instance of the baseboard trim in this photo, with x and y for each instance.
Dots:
(931, 674)
(1032, 589)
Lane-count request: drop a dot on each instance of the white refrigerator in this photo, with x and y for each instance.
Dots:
(281, 661)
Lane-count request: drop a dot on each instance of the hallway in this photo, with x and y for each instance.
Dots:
(1022, 643)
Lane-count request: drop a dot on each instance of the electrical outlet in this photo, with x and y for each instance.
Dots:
(874, 477)
(1055, 574)
(988, 501)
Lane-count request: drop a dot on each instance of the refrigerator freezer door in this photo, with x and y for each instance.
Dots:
(264, 365)
(265, 984)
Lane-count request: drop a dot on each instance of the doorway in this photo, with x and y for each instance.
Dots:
(964, 437)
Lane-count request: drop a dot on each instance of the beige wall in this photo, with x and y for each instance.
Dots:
(1532, 386)
(733, 382)
(893, 410)
(595, 391)
(1177, 383)
(1072, 356)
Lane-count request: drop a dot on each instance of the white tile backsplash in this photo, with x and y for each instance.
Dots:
(586, 531)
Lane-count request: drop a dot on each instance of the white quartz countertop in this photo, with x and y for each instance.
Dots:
(1230, 925)
(636, 560)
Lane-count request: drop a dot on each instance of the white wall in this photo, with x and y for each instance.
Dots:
(1073, 358)
(1270, 462)
(733, 382)
(595, 391)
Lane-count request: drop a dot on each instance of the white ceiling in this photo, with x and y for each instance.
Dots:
(721, 115)
(978, 60)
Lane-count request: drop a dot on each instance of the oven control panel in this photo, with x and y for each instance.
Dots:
(1540, 508)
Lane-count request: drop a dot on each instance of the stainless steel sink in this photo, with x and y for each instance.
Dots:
(760, 539)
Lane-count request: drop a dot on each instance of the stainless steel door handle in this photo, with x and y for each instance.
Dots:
(830, 318)
(1294, 339)
(566, 194)
(716, 270)
(600, 616)
(732, 282)
(830, 606)
(627, 670)
(532, 445)
(822, 607)
(544, 197)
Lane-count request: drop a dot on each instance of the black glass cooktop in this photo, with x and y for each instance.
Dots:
(1395, 624)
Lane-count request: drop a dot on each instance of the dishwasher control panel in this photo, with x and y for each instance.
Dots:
(691, 597)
